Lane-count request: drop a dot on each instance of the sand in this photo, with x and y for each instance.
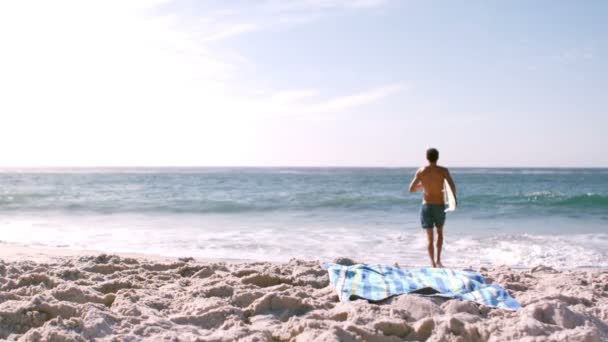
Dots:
(77, 296)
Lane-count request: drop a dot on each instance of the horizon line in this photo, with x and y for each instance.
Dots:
(292, 166)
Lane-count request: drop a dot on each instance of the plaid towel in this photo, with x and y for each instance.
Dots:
(377, 282)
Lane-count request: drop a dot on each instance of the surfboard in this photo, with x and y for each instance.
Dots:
(448, 197)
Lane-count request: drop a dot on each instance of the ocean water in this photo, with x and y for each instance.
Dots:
(517, 217)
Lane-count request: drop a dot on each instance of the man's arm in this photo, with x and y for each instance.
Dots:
(448, 177)
(416, 184)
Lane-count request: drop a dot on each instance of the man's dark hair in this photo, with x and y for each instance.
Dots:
(432, 155)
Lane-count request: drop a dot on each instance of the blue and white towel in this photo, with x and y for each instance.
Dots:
(377, 282)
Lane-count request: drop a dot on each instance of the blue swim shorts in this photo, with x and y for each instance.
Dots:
(432, 215)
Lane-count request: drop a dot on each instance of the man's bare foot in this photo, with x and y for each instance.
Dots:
(433, 265)
(439, 264)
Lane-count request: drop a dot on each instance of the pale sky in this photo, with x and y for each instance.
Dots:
(303, 83)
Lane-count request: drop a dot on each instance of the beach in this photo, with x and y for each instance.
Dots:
(69, 295)
(224, 254)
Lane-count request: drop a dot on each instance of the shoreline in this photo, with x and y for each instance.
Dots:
(48, 293)
(14, 251)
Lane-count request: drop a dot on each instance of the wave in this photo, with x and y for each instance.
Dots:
(539, 199)
(589, 200)
(526, 250)
(298, 202)
(290, 202)
(242, 238)
(549, 199)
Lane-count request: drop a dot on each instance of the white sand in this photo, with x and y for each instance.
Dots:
(64, 295)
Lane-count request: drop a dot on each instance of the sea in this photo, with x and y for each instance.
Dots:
(519, 217)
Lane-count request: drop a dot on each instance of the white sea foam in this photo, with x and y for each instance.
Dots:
(279, 240)
(524, 250)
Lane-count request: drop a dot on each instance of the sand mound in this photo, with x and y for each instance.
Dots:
(109, 298)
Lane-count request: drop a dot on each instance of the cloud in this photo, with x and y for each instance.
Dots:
(575, 54)
(351, 101)
(230, 31)
(119, 83)
(238, 18)
(286, 5)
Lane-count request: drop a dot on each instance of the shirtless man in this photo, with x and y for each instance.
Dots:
(430, 180)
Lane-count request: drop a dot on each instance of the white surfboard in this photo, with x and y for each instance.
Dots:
(448, 197)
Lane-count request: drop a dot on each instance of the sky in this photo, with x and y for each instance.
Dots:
(303, 83)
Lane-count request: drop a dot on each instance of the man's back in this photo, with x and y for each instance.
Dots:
(432, 177)
(432, 214)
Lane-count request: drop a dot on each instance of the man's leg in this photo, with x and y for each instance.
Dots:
(439, 244)
(429, 240)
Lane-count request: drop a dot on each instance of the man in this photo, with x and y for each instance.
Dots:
(430, 179)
